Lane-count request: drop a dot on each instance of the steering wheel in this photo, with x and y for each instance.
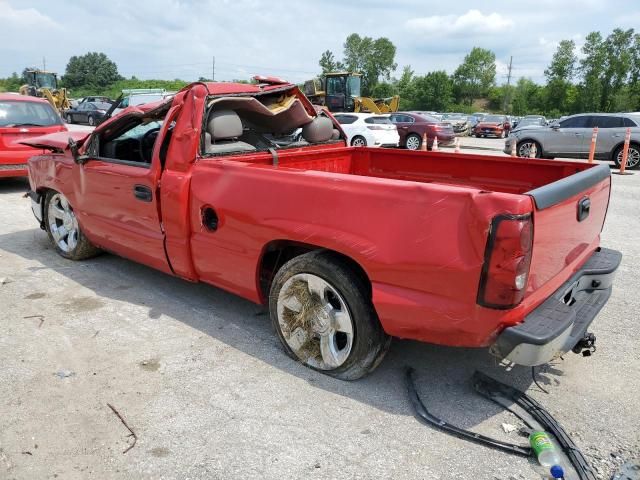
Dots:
(146, 144)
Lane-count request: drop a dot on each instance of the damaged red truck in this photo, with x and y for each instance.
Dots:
(347, 246)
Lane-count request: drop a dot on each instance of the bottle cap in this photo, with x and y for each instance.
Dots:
(557, 471)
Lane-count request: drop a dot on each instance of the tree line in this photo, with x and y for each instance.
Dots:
(606, 78)
(603, 75)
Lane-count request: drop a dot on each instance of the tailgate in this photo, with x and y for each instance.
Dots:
(567, 221)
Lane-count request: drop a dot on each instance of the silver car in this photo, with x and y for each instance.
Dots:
(571, 137)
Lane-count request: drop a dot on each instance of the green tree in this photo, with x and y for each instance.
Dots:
(406, 88)
(591, 69)
(617, 48)
(477, 73)
(375, 59)
(559, 74)
(527, 97)
(434, 91)
(634, 76)
(328, 63)
(90, 70)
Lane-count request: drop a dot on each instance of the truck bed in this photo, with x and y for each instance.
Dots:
(496, 174)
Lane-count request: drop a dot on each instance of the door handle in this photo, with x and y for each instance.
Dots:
(142, 192)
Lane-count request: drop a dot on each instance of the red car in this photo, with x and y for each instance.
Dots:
(22, 118)
(347, 246)
(412, 126)
(492, 126)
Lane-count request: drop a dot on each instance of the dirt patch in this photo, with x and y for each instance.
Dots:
(81, 304)
(160, 452)
(35, 296)
(150, 365)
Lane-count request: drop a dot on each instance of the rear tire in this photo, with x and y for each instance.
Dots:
(69, 118)
(413, 142)
(64, 230)
(321, 310)
(91, 121)
(633, 157)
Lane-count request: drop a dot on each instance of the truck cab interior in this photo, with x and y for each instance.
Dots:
(237, 125)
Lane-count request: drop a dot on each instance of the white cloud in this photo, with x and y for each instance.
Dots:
(16, 18)
(469, 24)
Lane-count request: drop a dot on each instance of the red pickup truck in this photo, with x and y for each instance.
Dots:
(347, 246)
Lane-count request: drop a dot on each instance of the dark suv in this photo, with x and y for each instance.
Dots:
(412, 126)
(571, 137)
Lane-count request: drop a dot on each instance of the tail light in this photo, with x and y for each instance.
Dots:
(507, 259)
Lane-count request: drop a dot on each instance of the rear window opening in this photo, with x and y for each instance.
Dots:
(22, 113)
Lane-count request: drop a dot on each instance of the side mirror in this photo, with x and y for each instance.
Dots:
(73, 148)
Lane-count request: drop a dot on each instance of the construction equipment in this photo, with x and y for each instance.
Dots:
(340, 92)
(41, 83)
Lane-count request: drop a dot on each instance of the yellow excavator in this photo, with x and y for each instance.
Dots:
(340, 92)
(44, 84)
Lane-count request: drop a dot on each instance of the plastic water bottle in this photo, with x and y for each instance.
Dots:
(544, 449)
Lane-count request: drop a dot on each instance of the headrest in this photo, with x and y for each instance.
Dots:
(320, 129)
(224, 124)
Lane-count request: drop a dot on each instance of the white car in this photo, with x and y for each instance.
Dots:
(368, 129)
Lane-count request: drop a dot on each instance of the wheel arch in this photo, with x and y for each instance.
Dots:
(612, 153)
(277, 252)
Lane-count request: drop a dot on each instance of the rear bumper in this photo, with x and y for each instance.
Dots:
(559, 323)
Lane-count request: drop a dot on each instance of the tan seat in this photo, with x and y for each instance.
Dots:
(223, 129)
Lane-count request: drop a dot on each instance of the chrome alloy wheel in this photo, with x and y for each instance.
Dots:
(63, 223)
(413, 143)
(359, 142)
(633, 157)
(524, 150)
(315, 321)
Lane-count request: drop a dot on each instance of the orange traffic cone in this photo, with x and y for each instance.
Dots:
(594, 139)
(514, 151)
(625, 154)
(457, 145)
(533, 151)
(434, 146)
(423, 147)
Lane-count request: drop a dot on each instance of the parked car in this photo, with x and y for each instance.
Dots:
(140, 96)
(492, 126)
(91, 113)
(22, 118)
(347, 247)
(459, 122)
(368, 130)
(571, 138)
(528, 122)
(413, 125)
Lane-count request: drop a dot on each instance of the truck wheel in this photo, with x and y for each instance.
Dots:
(322, 312)
(64, 230)
(359, 141)
(413, 142)
(524, 148)
(633, 157)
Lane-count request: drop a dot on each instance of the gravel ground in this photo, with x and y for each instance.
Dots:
(199, 375)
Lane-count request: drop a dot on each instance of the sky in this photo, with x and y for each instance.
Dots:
(170, 39)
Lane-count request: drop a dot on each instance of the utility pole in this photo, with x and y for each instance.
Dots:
(507, 91)
(213, 69)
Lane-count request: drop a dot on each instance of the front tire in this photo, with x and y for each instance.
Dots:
(69, 118)
(524, 148)
(358, 141)
(413, 142)
(633, 157)
(64, 230)
(321, 310)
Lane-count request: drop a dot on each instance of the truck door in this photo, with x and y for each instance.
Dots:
(116, 191)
